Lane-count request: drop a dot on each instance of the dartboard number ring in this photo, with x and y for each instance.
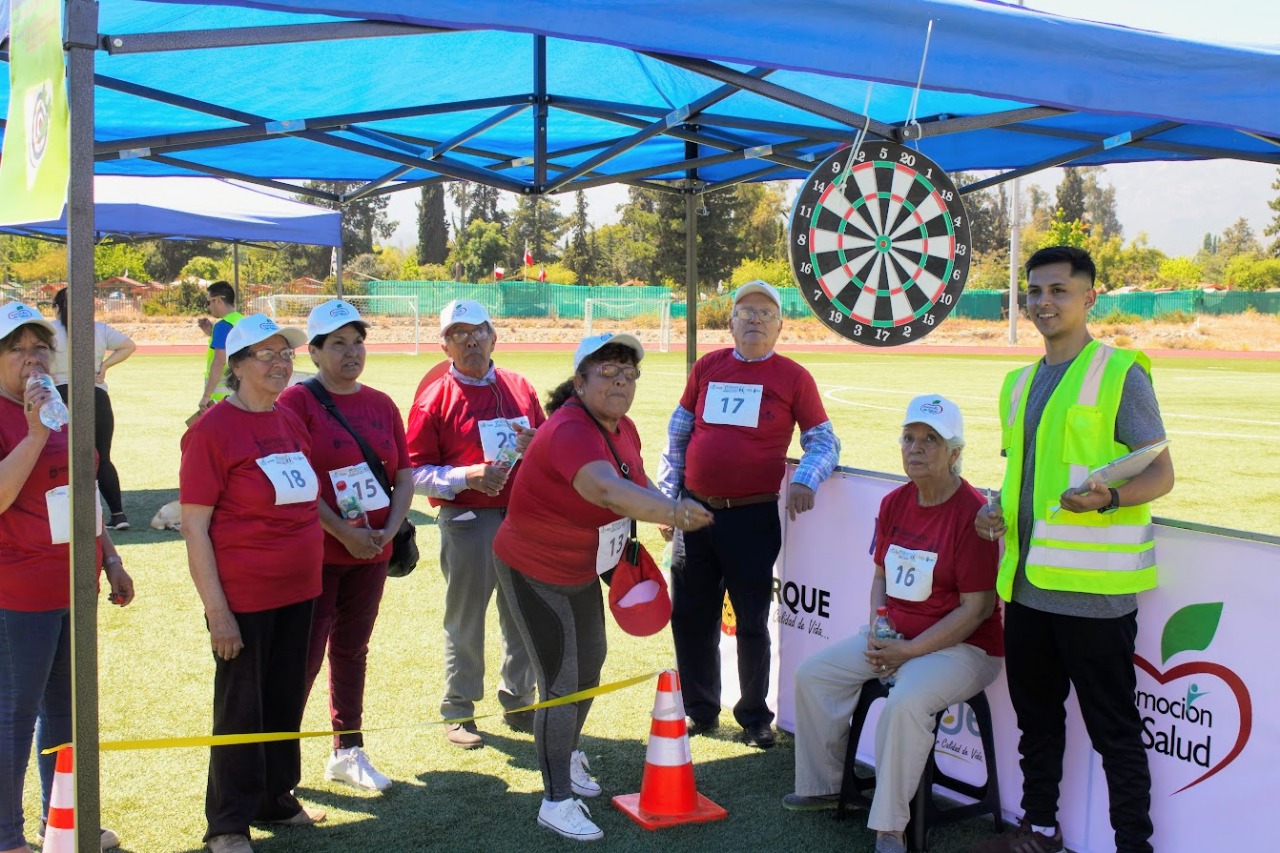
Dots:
(880, 244)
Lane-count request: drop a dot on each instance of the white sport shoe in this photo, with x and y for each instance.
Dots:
(570, 818)
(352, 766)
(580, 774)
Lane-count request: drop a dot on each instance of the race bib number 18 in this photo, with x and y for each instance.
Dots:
(292, 477)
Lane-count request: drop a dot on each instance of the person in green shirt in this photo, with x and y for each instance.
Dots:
(220, 299)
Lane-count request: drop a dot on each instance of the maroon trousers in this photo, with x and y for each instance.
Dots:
(343, 622)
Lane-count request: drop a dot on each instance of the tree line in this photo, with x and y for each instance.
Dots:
(466, 231)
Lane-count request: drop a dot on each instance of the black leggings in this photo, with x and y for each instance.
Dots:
(104, 428)
(563, 629)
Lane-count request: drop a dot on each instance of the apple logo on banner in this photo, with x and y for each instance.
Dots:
(1196, 715)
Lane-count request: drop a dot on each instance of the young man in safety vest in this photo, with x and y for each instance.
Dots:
(1071, 576)
(220, 299)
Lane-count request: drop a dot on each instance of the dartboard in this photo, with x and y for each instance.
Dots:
(880, 250)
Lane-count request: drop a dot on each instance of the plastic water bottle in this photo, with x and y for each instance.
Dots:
(884, 629)
(53, 414)
(507, 458)
(349, 505)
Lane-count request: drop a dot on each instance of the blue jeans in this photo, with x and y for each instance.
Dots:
(35, 696)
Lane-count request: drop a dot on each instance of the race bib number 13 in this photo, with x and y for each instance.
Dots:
(613, 539)
(292, 477)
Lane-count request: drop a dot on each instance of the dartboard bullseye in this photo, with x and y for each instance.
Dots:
(880, 244)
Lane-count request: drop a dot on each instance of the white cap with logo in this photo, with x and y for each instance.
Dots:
(330, 316)
(462, 311)
(258, 327)
(595, 342)
(758, 286)
(16, 314)
(937, 412)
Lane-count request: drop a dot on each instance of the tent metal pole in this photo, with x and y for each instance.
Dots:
(239, 176)
(81, 40)
(539, 115)
(1015, 255)
(773, 91)
(680, 114)
(235, 272)
(337, 271)
(961, 124)
(697, 162)
(249, 36)
(690, 261)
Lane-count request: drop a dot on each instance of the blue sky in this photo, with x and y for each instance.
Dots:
(1174, 204)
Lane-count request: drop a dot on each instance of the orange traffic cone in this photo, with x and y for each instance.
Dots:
(60, 833)
(668, 795)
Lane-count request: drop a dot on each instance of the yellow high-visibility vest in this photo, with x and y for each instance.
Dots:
(220, 390)
(1109, 554)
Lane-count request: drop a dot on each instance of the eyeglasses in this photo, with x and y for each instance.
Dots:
(267, 356)
(766, 315)
(479, 335)
(611, 371)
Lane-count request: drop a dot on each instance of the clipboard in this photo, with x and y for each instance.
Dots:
(1125, 468)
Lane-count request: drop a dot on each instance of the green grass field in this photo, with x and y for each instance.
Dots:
(1223, 416)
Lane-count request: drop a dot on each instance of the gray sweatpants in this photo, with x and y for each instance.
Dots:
(828, 685)
(563, 627)
(467, 563)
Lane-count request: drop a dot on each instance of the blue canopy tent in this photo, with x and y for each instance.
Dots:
(136, 208)
(550, 96)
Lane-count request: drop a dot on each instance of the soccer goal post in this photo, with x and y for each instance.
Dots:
(647, 317)
(393, 320)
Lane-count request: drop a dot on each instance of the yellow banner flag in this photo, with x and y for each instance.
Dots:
(36, 161)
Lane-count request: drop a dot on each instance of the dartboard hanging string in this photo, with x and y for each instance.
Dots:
(857, 141)
(915, 95)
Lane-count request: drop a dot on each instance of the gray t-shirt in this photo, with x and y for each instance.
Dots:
(1138, 423)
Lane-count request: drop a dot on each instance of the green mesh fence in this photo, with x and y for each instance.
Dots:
(568, 302)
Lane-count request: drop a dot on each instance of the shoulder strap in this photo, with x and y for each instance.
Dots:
(622, 466)
(371, 459)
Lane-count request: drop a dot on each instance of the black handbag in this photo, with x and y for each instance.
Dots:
(404, 545)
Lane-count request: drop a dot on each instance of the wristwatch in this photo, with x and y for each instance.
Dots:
(1113, 506)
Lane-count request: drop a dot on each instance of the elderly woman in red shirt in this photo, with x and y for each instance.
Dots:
(255, 549)
(35, 583)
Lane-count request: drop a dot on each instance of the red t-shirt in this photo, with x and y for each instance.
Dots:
(375, 417)
(735, 460)
(268, 556)
(965, 562)
(35, 574)
(444, 426)
(551, 533)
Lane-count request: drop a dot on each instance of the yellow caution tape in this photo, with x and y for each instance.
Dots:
(268, 737)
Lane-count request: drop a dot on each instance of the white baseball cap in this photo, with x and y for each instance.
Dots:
(758, 286)
(330, 316)
(937, 412)
(259, 327)
(595, 342)
(16, 314)
(462, 311)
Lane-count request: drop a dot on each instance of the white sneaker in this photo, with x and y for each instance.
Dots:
(570, 818)
(580, 774)
(352, 766)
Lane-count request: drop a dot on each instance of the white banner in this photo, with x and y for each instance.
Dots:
(1205, 638)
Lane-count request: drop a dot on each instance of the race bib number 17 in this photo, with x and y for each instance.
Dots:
(732, 403)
